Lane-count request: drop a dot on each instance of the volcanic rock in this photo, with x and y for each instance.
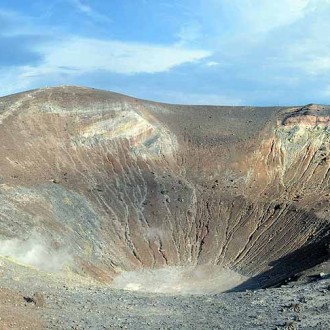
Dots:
(102, 184)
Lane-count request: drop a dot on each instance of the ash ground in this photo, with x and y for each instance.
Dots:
(72, 302)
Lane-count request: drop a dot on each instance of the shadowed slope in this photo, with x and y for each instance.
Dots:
(108, 183)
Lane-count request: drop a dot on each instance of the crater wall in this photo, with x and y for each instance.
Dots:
(125, 184)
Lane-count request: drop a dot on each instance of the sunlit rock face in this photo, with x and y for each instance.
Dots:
(108, 184)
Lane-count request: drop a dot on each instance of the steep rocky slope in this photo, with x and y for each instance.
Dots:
(101, 184)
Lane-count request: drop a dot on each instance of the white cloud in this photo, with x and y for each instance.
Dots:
(254, 16)
(82, 7)
(266, 15)
(316, 66)
(68, 59)
(212, 63)
(88, 10)
(230, 22)
(86, 55)
(306, 46)
(273, 36)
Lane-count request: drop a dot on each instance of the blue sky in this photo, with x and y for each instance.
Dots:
(228, 52)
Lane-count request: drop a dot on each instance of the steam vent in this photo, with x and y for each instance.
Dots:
(154, 197)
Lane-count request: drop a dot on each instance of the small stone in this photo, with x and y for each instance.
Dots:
(290, 325)
(297, 308)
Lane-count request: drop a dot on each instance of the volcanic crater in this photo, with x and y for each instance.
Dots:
(163, 198)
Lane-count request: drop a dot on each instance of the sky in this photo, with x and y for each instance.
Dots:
(224, 52)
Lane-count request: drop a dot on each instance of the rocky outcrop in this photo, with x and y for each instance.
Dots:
(113, 184)
(310, 115)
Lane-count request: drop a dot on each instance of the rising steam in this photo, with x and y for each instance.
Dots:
(35, 252)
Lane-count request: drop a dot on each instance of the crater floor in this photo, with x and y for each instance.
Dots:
(75, 303)
(204, 279)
